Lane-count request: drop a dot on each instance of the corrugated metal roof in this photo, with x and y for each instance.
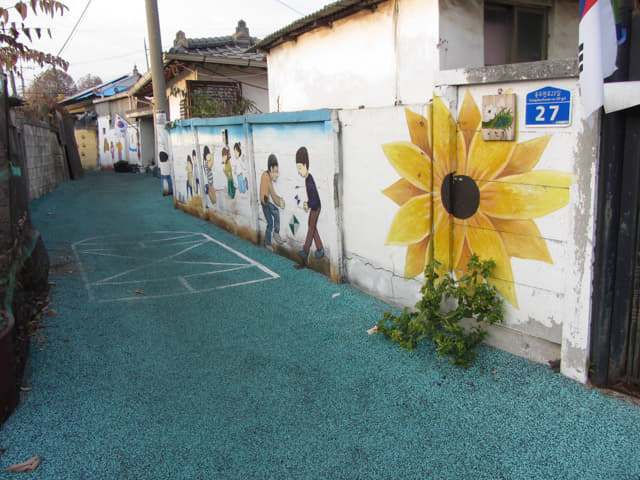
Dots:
(322, 18)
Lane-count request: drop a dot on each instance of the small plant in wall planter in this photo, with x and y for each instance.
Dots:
(447, 302)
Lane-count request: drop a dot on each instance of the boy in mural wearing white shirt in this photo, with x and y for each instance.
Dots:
(241, 168)
(209, 190)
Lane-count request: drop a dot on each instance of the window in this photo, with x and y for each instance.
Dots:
(210, 99)
(514, 33)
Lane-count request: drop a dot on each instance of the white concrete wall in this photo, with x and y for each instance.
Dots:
(392, 56)
(552, 315)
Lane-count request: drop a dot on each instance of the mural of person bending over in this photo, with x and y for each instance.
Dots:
(312, 205)
(270, 201)
(165, 174)
(228, 172)
(209, 190)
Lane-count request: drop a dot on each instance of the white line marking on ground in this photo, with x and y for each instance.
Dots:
(94, 246)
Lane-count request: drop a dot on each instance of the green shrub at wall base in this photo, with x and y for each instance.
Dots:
(446, 301)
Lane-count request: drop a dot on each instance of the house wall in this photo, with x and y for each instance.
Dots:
(118, 139)
(87, 141)
(253, 82)
(218, 165)
(462, 35)
(393, 55)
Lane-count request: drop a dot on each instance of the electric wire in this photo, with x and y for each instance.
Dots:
(74, 28)
(290, 7)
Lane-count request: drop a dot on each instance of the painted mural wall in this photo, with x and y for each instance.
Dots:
(429, 186)
(118, 141)
(267, 178)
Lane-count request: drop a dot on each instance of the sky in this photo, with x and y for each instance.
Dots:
(110, 38)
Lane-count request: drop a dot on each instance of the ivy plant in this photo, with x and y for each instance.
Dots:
(447, 301)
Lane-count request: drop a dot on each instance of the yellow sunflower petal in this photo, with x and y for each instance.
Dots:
(487, 159)
(465, 255)
(486, 242)
(419, 129)
(530, 195)
(412, 222)
(416, 258)
(469, 117)
(444, 139)
(523, 239)
(459, 238)
(401, 191)
(526, 156)
(442, 236)
(411, 163)
(461, 163)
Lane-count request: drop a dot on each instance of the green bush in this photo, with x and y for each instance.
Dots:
(446, 301)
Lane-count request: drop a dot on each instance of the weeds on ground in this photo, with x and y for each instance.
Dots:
(446, 302)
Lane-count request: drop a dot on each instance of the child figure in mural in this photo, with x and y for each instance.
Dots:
(241, 168)
(209, 190)
(165, 174)
(270, 202)
(228, 172)
(119, 147)
(312, 205)
(195, 171)
(190, 179)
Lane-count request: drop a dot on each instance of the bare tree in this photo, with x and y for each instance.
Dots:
(88, 81)
(44, 92)
(14, 34)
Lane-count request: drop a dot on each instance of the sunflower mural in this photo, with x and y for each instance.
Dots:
(460, 195)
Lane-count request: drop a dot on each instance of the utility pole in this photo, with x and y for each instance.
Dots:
(160, 104)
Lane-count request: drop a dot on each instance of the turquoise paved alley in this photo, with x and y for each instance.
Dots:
(179, 351)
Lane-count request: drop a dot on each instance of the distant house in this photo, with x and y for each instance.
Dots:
(103, 132)
(215, 71)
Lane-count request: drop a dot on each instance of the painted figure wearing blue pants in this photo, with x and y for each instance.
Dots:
(270, 201)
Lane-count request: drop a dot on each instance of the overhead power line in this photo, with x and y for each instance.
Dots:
(290, 7)
(74, 28)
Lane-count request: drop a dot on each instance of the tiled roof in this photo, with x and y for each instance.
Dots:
(216, 47)
(230, 46)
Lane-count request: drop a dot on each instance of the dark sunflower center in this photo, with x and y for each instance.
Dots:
(460, 195)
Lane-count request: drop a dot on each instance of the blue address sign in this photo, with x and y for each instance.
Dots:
(548, 106)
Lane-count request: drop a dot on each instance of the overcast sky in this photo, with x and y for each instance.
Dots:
(109, 39)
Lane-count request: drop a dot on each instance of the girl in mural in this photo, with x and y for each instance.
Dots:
(119, 148)
(207, 155)
(190, 179)
(105, 146)
(241, 166)
(113, 152)
(228, 172)
(270, 201)
(312, 205)
(195, 171)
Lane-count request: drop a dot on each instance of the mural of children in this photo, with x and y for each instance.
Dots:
(270, 206)
(312, 205)
(241, 166)
(207, 155)
(195, 171)
(228, 172)
(190, 179)
(165, 174)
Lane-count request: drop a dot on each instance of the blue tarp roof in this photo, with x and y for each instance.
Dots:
(107, 89)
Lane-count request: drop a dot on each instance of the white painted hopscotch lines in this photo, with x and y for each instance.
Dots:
(162, 264)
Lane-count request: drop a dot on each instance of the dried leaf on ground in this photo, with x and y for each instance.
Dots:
(51, 313)
(373, 330)
(139, 292)
(28, 466)
(25, 389)
(335, 295)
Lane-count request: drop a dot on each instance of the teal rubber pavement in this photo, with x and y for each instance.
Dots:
(179, 351)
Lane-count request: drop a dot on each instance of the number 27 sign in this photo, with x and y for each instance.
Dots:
(548, 106)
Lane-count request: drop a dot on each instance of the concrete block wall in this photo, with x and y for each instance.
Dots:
(45, 163)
